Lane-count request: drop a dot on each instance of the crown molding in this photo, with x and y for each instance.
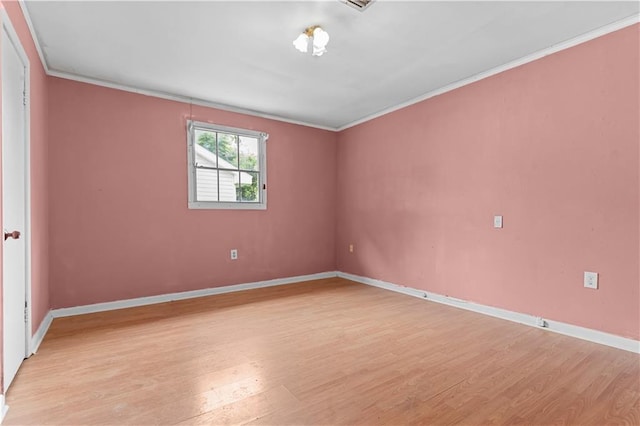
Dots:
(32, 31)
(183, 99)
(153, 93)
(598, 32)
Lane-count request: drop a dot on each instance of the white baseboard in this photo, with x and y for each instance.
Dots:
(162, 298)
(36, 339)
(595, 336)
(3, 408)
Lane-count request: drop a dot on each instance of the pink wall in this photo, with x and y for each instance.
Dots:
(39, 172)
(39, 169)
(120, 226)
(551, 145)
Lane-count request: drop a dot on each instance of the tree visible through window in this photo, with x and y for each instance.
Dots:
(227, 167)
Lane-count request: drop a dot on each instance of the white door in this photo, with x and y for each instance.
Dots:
(14, 210)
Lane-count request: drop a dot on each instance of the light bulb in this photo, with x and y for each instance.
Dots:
(302, 43)
(318, 51)
(320, 38)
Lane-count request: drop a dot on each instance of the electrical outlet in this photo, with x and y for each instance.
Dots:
(234, 254)
(350, 248)
(497, 221)
(591, 280)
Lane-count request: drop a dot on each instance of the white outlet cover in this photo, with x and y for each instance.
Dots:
(234, 254)
(591, 280)
(497, 221)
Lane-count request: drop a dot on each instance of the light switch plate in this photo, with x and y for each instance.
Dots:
(497, 221)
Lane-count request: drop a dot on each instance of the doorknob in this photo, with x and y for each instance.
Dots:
(15, 235)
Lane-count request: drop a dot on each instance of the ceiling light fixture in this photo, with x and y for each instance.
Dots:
(318, 38)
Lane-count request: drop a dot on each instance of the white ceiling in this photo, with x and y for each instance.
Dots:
(239, 54)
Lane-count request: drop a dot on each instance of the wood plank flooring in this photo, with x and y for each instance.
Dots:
(322, 352)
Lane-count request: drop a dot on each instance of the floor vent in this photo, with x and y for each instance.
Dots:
(360, 5)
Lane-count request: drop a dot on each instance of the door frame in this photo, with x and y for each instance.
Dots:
(6, 26)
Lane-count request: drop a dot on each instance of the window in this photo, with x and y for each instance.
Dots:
(227, 167)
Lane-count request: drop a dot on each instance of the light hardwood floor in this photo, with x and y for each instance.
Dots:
(322, 352)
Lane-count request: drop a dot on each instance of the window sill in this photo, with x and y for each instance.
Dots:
(203, 205)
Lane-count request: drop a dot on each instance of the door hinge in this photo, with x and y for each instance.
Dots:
(26, 312)
(24, 98)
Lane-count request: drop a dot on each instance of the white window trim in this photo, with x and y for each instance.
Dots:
(262, 161)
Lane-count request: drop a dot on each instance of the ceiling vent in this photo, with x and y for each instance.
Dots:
(360, 5)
